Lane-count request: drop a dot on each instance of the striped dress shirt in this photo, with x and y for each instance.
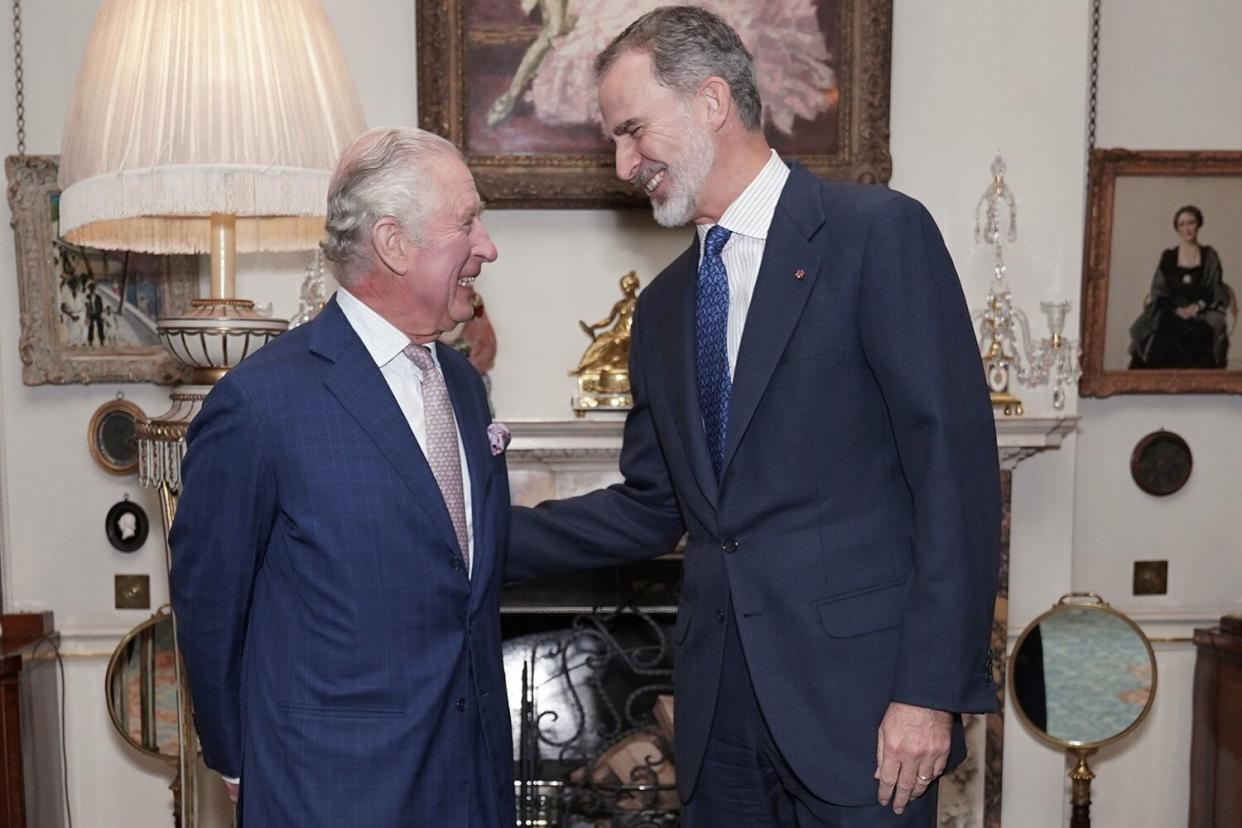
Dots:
(748, 218)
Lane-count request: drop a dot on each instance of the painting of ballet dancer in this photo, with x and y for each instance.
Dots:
(88, 315)
(510, 82)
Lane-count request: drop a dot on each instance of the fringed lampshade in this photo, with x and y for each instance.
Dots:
(188, 108)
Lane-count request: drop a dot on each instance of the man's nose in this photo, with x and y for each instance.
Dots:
(628, 161)
(485, 247)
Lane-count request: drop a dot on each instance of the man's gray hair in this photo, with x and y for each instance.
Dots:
(384, 172)
(688, 45)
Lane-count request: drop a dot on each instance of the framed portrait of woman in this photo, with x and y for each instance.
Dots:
(511, 83)
(1162, 273)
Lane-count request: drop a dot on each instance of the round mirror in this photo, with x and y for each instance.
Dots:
(1082, 675)
(141, 685)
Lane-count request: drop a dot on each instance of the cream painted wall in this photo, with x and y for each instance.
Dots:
(970, 79)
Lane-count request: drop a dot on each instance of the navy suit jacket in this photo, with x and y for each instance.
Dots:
(340, 661)
(855, 530)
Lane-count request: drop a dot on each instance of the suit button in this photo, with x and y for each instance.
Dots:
(461, 704)
(720, 616)
(729, 546)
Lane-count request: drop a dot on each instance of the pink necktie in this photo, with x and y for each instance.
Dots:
(441, 448)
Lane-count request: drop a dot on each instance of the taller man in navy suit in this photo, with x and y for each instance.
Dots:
(809, 405)
(337, 548)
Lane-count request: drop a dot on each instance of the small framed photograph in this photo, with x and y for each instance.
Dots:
(112, 438)
(127, 526)
(1162, 273)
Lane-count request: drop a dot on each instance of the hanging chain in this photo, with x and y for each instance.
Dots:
(1093, 100)
(18, 78)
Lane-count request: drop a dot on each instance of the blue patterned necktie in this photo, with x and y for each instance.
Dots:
(711, 323)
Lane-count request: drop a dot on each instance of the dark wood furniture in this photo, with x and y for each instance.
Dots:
(30, 748)
(1216, 744)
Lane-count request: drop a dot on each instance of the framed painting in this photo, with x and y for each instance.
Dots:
(510, 82)
(87, 315)
(1160, 276)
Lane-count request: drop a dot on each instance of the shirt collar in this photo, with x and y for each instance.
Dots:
(383, 340)
(751, 213)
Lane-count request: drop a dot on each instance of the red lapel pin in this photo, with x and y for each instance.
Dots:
(799, 273)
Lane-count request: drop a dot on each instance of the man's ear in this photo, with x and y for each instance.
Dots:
(391, 244)
(718, 100)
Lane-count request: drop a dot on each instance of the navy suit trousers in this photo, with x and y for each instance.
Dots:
(746, 783)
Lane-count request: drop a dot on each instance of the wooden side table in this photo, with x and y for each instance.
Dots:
(1216, 742)
(30, 745)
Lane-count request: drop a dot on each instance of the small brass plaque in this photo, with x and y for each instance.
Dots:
(1151, 577)
(133, 592)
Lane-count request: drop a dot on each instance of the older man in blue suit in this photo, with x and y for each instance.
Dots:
(337, 547)
(809, 405)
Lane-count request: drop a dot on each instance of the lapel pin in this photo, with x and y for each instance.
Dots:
(799, 273)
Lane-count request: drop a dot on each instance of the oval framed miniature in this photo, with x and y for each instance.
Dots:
(112, 437)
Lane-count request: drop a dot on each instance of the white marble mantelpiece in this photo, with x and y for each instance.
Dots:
(1018, 438)
(592, 446)
(552, 459)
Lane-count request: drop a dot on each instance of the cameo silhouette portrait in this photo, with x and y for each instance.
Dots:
(126, 526)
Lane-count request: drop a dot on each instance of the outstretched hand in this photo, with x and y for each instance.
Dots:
(911, 751)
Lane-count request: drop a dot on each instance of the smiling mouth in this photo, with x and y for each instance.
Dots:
(648, 182)
(466, 281)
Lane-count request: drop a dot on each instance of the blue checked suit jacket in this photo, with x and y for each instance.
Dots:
(339, 659)
(855, 530)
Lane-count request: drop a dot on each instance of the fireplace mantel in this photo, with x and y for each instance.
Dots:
(593, 445)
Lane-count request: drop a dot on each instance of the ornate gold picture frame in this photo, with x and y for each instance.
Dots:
(1157, 320)
(510, 83)
(87, 315)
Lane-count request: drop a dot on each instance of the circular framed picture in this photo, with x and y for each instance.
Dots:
(111, 436)
(127, 526)
(1160, 463)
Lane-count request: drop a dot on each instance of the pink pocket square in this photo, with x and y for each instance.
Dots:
(498, 438)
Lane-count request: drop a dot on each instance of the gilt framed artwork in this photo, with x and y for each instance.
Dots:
(87, 315)
(510, 82)
(1162, 273)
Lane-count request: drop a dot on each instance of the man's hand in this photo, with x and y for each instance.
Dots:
(912, 750)
(233, 789)
(1188, 311)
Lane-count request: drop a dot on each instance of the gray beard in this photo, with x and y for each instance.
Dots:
(688, 177)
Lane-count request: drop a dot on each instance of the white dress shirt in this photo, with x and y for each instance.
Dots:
(749, 218)
(386, 345)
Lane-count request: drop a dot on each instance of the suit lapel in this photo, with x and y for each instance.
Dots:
(677, 318)
(358, 385)
(777, 303)
(473, 435)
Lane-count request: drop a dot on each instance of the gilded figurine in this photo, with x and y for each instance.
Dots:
(603, 372)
